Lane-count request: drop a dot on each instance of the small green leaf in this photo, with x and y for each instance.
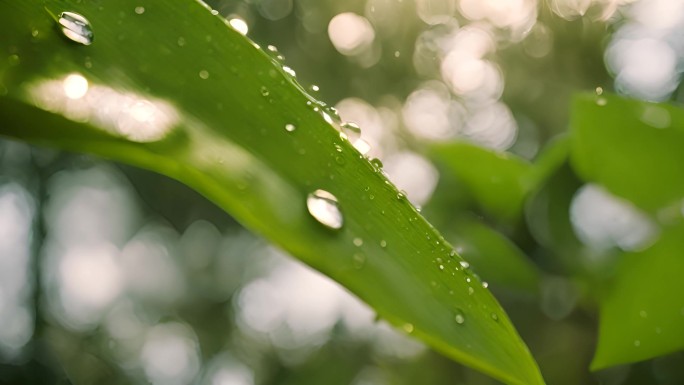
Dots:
(632, 148)
(496, 180)
(642, 312)
(168, 86)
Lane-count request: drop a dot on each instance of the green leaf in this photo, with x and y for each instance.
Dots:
(493, 256)
(642, 312)
(496, 180)
(632, 148)
(171, 88)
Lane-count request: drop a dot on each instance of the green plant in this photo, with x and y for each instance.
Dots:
(195, 100)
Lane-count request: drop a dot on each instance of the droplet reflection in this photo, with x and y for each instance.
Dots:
(323, 206)
(76, 27)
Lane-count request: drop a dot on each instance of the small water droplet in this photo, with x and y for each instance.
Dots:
(351, 129)
(340, 160)
(471, 291)
(204, 74)
(459, 317)
(358, 261)
(408, 328)
(315, 88)
(401, 196)
(643, 314)
(383, 243)
(495, 317)
(441, 267)
(181, 41)
(377, 163)
(601, 101)
(485, 284)
(323, 206)
(264, 91)
(289, 71)
(76, 28)
(358, 242)
(139, 10)
(464, 264)
(637, 343)
(214, 12)
(290, 127)
(397, 53)
(599, 91)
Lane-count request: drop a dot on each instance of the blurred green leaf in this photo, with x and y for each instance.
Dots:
(496, 180)
(632, 148)
(642, 312)
(227, 108)
(493, 256)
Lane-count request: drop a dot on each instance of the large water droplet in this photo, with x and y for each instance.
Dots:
(76, 27)
(459, 317)
(323, 206)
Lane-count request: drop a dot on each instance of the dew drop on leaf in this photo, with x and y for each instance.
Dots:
(290, 127)
(408, 328)
(464, 264)
(358, 242)
(324, 208)
(76, 28)
(459, 317)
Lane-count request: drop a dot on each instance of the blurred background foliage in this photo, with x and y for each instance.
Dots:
(114, 275)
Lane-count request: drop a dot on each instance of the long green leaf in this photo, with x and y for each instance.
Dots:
(171, 88)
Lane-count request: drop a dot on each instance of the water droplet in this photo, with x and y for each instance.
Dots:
(471, 291)
(239, 25)
(264, 91)
(377, 163)
(76, 28)
(643, 314)
(401, 196)
(290, 127)
(601, 101)
(485, 284)
(599, 91)
(361, 146)
(383, 243)
(441, 267)
(214, 12)
(289, 71)
(459, 317)
(340, 160)
(181, 41)
(358, 242)
(352, 130)
(204, 74)
(408, 328)
(358, 261)
(139, 10)
(464, 264)
(323, 206)
(495, 317)
(637, 343)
